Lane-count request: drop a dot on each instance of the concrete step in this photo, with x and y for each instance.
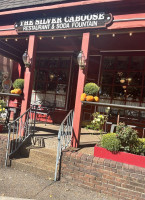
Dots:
(41, 161)
(33, 169)
(43, 154)
(49, 142)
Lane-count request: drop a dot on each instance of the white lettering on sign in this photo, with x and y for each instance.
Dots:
(67, 22)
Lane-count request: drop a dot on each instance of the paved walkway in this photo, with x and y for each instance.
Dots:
(18, 184)
(12, 198)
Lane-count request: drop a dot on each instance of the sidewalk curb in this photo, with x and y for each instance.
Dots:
(12, 198)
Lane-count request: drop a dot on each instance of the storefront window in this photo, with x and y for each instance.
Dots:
(52, 80)
(6, 66)
(123, 80)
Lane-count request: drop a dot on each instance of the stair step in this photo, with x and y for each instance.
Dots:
(41, 161)
(33, 169)
(37, 156)
(36, 163)
(43, 152)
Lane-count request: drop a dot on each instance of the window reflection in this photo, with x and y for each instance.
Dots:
(123, 79)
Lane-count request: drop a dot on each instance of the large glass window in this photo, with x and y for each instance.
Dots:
(123, 80)
(52, 77)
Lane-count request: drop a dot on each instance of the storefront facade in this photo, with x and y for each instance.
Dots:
(111, 36)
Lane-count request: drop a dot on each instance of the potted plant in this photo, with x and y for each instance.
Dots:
(90, 92)
(123, 146)
(2, 111)
(99, 120)
(18, 86)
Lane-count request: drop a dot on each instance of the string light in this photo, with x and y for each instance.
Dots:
(130, 34)
(41, 37)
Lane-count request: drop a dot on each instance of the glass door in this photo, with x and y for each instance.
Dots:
(52, 80)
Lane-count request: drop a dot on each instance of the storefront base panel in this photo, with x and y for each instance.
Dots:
(3, 145)
(108, 177)
(123, 157)
(57, 117)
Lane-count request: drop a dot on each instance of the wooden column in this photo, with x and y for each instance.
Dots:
(29, 75)
(80, 86)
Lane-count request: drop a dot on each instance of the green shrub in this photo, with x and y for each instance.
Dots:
(128, 138)
(110, 142)
(91, 89)
(140, 148)
(142, 140)
(18, 84)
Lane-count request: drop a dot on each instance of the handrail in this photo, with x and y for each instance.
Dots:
(64, 137)
(115, 105)
(19, 130)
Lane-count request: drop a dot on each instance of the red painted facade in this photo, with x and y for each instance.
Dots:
(124, 37)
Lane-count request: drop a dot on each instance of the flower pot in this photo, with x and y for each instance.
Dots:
(123, 157)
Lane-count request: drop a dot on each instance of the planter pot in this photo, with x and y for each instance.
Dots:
(123, 157)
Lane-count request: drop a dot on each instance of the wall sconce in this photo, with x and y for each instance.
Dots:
(26, 59)
(81, 60)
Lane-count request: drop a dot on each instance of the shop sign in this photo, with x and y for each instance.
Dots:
(94, 20)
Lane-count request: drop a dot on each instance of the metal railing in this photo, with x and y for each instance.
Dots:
(64, 138)
(134, 115)
(19, 130)
(139, 108)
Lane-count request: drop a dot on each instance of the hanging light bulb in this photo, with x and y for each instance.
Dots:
(130, 34)
(6, 39)
(52, 38)
(16, 39)
(122, 80)
(129, 79)
(64, 37)
(98, 35)
(124, 86)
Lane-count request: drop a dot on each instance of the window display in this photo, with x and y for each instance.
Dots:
(122, 80)
(52, 79)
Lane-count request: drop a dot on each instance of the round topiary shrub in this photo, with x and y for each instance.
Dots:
(110, 142)
(18, 84)
(91, 89)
